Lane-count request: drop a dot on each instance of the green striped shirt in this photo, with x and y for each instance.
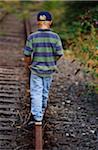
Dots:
(44, 47)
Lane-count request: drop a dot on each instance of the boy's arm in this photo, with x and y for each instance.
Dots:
(59, 49)
(28, 50)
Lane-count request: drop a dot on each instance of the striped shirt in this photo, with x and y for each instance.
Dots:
(44, 46)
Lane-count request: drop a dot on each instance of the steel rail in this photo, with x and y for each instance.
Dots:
(38, 128)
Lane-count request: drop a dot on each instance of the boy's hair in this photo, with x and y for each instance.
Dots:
(47, 23)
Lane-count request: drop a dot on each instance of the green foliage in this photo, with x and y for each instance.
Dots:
(57, 9)
(22, 9)
(72, 16)
(75, 24)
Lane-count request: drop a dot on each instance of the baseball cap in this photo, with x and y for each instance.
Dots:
(44, 16)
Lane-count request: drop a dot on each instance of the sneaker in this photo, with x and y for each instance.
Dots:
(30, 123)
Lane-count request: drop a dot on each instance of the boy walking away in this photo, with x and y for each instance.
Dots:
(43, 49)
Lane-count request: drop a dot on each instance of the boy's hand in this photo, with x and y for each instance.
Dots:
(27, 60)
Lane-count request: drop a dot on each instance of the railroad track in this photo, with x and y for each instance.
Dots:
(12, 78)
(72, 115)
(9, 99)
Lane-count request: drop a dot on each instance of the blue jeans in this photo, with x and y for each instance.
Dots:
(39, 89)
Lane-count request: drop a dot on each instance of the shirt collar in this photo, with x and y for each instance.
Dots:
(44, 29)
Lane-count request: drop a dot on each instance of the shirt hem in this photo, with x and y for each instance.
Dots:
(42, 75)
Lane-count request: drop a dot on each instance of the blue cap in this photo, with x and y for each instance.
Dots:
(44, 16)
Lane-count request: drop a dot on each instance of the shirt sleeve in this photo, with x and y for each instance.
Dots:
(28, 48)
(59, 47)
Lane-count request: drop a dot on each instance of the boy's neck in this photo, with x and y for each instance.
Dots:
(44, 28)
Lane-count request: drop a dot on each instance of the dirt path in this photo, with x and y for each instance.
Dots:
(72, 115)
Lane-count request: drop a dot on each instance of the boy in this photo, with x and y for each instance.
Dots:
(43, 48)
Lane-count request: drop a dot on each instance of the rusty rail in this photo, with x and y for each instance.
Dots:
(3, 13)
(27, 28)
(12, 83)
(38, 137)
(10, 93)
(38, 128)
